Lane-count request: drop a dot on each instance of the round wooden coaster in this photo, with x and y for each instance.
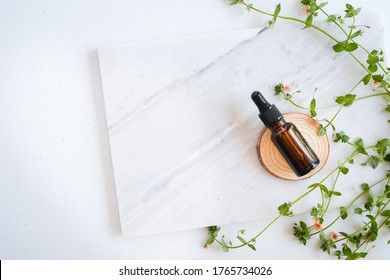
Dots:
(274, 162)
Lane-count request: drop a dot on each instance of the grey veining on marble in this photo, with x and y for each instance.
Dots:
(183, 129)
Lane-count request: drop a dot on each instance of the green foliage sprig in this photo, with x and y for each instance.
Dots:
(375, 208)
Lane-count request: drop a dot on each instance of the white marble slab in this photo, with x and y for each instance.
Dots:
(183, 129)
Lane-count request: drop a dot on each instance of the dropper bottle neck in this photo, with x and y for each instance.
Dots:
(268, 113)
(260, 101)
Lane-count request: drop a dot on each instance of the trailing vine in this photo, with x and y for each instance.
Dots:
(375, 208)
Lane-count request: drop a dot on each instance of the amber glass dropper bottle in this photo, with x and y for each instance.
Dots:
(286, 137)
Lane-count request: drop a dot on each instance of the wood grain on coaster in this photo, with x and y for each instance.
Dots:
(273, 161)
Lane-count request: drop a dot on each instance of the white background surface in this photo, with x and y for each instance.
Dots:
(57, 193)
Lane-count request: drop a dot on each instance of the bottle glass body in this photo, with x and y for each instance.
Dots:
(293, 147)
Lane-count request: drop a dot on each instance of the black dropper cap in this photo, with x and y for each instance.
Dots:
(268, 113)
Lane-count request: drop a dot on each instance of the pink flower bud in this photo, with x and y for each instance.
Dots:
(306, 10)
(333, 236)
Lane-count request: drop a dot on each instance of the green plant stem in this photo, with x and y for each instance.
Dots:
(361, 63)
(372, 95)
(294, 19)
(373, 147)
(296, 104)
(351, 29)
(323, 196)
(358, 247)
(365, 243)
(312, 189)
(253, 238)
(349, 35)
(314, 26)
(334, 117)
(380, 209)
(356, 99)
(270, 224)
(335, 22)
(355, 86)
(360, 229)
(333, 187)
(292, 203)
(383, 223)
(363, 48)
(349, 206)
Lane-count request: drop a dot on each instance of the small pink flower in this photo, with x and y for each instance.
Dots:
(317, 225)
(376, 84)
(306, 10)
(333, 236)
(286, 89)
